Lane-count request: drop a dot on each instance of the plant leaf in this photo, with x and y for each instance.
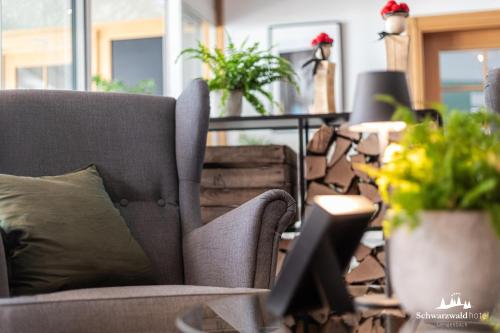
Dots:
(472, 195)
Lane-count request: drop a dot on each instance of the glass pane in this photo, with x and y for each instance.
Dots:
(191, 35)
(462, 76)
(36, 35)
(56, 78)
(292, 102)
(493, 58)
(461, 67)
(195, 28)
(127, 37)
(29, 78)
(465, 100)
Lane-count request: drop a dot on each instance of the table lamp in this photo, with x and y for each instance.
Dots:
(373, 116)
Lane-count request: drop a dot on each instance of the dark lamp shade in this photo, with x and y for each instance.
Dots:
(371, 115)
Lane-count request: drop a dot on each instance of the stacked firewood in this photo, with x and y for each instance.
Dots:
(333, 154)
(330, 164)
(332, 167)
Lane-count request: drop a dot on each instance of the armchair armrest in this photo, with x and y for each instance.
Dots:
(239, 248)
(4, 278)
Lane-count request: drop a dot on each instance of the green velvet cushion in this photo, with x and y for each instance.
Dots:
(63, 232)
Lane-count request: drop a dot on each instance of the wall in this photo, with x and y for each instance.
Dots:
(360, 18)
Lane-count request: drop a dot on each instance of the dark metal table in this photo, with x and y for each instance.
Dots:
(300, 122)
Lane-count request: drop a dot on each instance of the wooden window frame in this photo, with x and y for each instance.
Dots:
(419, 26)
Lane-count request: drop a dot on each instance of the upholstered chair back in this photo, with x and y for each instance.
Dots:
(148, 149)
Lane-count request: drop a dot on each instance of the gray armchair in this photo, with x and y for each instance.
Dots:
(149, 151)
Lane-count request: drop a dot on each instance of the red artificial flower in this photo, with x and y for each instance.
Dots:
(322, 38)
(393, 7)
(404, 7)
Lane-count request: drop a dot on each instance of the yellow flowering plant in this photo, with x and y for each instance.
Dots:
(455, 166)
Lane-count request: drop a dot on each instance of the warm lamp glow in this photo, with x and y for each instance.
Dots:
(390, 152)
(378, 126)
(345, 204)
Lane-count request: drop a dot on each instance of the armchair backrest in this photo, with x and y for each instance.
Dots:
(134, 140)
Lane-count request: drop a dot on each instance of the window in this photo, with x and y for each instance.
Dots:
(36, 44)
(56, 78)
(29, 77)
(194, 30)
(119, 46)
(43, 77)
(463, 74)
(127, 37)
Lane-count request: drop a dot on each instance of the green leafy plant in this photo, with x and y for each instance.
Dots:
(453, 167)
(142, 87)
(245, 68)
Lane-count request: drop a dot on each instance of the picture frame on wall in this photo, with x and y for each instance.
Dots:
(293, 42)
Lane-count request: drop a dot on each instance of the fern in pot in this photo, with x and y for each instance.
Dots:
(242, 71)
(442, 185)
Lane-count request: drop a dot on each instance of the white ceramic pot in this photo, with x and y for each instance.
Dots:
(233, 105)
(327, 51)
(215, 103)
(234, 102)
(449, 252)
(395, 23)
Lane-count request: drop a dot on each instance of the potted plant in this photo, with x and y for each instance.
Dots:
(395, 16)
(243, 71)
(442, 185)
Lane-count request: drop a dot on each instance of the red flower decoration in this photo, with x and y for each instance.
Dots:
(404, 7)
(322, 38)
(393, 7)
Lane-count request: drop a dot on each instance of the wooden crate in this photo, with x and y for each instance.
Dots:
(265, 176)
(233, 175)
(250, 156)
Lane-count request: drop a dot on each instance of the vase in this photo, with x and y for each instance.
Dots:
(323, 52)
(492, 90)
(395, 23)
(233, 105)
(452, 257)
(234, 102)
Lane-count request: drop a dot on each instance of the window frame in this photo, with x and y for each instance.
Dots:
(81, 52)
